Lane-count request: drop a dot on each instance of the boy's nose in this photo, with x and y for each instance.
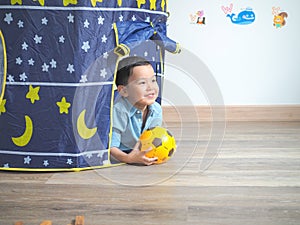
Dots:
(150, 85)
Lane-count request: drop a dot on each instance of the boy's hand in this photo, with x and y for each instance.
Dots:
(137, 156)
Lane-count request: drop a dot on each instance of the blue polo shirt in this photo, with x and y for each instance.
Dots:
(127, 123)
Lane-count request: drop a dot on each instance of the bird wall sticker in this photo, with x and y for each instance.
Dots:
(197, 18)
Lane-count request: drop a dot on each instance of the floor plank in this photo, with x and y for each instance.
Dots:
(254, 178)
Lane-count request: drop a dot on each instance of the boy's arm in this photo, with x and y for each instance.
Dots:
(119, 155)
(135, 156)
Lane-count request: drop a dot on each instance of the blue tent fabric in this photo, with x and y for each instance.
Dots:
(57, 105)
(132, 34)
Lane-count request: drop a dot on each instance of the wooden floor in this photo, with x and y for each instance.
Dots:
(253, 178)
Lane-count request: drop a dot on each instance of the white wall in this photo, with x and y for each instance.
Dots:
(253, 64)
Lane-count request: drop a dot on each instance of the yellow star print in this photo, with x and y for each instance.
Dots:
(140, 2)
(152, 4)
(63, 106)
(33, 94)
(2, 106)
(94, 2)
(42, 2)
(13, 2)
(67, 2)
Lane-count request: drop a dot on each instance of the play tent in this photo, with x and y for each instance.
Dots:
(58, 60)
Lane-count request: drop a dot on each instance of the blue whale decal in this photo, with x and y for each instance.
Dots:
(245, 17)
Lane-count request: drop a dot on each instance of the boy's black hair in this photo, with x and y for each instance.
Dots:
(126, 66)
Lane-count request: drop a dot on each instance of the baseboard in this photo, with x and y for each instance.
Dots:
(232, 113)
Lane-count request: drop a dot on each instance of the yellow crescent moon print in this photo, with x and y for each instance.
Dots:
(26, 136)
(82, 129)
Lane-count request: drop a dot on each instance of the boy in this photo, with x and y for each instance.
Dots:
(135, 110)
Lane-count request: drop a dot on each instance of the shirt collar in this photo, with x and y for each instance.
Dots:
(133, 110)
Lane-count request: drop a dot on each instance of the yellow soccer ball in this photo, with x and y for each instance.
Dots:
(161, 142)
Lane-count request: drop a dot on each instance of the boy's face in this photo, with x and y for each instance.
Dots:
(142, 89)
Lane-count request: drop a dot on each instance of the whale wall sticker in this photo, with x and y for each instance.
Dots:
(244, 17)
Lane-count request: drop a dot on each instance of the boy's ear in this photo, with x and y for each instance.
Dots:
(122, 90)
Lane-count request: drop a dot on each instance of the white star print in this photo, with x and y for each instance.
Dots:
(45, 67)
(6, 165)
(23, 77)
(103, 73)
(105, 55)
(70, 68)
(27, 160)
(53, 63)
(44, 21)
(38, 39)
(83, 79)
(20, 24)
(121, 18)
(133, 18)
(24, 46)
(46, 163)
(30, 62)
(10, 78)
(100, 20)
(86, 24)
(145, 53)
(147, 20)
(69, 161)
(158, 66)
(89, 155)
(104, 38)
(100, 154)
(8, 18)
(85, 46)
(61, 39)
(70, 18)
(19, 61)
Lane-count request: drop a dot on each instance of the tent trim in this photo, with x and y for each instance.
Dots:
(4, 66)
